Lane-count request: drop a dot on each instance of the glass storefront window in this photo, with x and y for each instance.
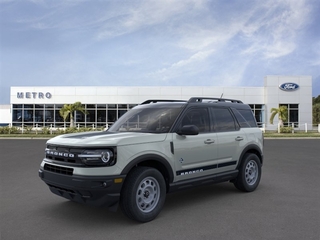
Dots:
(132, 105)
(38, 106)
(103, 106)
(259, 113)
(17, 106)
(112, 116)
(112, 105)
(91, 106)
(101, 116)
(27, 116)
(79, 117)
(57, 117)
(17, 115)
(38, 116)
(49, 116)
(28, 106)
(293, 115)
(292, 106)
(49, 106)
(121, 112)
(91, 116)
(258, 116)
(122, 106)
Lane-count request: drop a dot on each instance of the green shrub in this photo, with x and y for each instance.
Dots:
(9, 130)
(71, 130)
(14, 130)
(27, 129)
(45, 130)
(59, 131)
(84, 129)
(4, 130)
(286, 129)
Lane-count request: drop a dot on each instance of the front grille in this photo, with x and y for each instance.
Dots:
(69, 156)
(58, 169)
(64, 154)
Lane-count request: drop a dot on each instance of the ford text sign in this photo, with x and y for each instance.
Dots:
(289, 86)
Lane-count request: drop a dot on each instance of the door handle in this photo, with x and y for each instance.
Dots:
(239, 138)
(209, 141)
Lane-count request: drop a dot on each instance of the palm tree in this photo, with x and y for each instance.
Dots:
(69, 109)
(282, 112)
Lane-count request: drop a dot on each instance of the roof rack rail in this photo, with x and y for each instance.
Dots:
(160, 100)
(200, 99)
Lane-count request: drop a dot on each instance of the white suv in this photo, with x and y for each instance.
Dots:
(157, 147)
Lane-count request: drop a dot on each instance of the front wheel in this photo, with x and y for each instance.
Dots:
(143, 194)
(249, 173)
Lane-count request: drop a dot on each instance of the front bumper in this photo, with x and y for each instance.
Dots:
(90, 190)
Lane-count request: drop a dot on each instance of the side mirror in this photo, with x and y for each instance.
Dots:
(188, 130)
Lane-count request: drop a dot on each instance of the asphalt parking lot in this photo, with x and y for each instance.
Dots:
(286, 205)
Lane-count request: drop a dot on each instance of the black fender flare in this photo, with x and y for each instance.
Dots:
(149, 157)
(249, 148)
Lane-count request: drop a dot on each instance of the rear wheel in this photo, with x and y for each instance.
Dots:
(143, 194)
(249, 173)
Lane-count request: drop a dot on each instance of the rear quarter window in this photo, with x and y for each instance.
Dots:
(245, 117)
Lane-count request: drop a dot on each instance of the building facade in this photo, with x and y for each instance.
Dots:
(40, 106)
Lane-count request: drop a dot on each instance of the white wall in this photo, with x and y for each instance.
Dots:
(5, 114)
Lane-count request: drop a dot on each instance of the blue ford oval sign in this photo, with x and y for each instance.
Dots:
(288, 86)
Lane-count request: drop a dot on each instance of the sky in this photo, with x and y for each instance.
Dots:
(156, 42)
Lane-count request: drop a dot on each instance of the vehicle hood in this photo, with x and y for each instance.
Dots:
(106, 138)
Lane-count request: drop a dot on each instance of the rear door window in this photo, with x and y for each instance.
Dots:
(223, 120)
(198, 117)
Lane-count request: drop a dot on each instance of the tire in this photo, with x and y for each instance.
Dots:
(249, 173)
(143, 194)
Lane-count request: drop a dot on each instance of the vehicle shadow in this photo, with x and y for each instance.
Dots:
(79, 214)
(199, 195)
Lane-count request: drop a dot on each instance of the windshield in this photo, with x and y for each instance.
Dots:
(152, 120)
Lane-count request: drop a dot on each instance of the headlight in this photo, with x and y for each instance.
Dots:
(98, 157)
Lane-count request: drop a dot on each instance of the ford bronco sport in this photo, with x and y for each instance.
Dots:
(159, 146)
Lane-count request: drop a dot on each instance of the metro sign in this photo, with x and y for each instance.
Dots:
(34, 95)
(289, 86)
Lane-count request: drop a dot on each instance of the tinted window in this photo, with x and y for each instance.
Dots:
(248, 116)
(223, 120)
(153, 120)
(241, 120)
(198, 117)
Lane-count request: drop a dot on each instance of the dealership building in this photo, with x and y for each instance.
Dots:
(39, 106)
